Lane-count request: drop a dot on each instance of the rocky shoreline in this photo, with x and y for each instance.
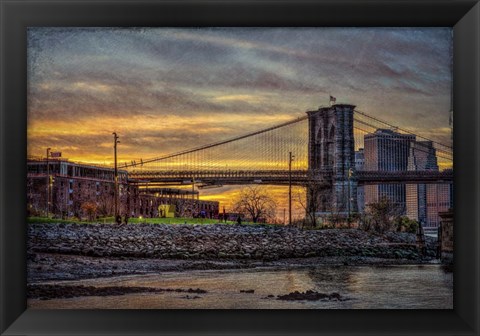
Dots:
(80, 251)
(218, 241)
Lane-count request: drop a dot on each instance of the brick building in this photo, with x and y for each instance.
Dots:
(74, 186)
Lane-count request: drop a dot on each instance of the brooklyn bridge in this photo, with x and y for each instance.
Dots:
(317, 148)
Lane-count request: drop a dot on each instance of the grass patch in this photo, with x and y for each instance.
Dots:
(110, 220)
(42, 220)
(177, 221)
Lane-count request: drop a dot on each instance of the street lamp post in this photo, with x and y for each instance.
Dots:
(290, 159)
(115, 142)
(48, 182)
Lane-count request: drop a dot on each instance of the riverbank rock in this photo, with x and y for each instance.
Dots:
(218, 241)
(310, 295)
(46, 291)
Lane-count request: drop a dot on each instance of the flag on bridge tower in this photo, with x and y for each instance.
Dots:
(333, 100)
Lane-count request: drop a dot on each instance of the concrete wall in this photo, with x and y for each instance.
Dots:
(446, 236)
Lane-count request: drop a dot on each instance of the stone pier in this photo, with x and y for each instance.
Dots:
(332, 149)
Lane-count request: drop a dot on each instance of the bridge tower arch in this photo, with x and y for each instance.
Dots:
(331, 154)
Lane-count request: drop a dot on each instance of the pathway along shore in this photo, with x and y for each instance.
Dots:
(75, 251)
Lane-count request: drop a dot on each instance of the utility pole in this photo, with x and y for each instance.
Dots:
(193, 196)
(349, 197)
(115, 142)
(48, 182)
(290, 159)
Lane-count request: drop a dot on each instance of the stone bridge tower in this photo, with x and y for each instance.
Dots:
(331, 153)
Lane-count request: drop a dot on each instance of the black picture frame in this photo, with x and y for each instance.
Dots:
(16, 16)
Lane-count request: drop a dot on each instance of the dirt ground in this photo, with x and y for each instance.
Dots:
(50, 267)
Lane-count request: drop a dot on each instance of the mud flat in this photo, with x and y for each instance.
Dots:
(80, 251)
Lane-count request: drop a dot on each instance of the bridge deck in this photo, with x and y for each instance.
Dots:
(298, 177)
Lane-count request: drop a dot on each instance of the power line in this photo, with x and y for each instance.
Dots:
(215, 144)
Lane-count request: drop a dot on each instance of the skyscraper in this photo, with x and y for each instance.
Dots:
(387, 150)
(422, 157)
(425, 201)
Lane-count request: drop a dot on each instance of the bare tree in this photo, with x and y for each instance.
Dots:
(106, 203)
(317, 198)
(312, 199)
(90, 209)
(60, 203)
(255, 202)
(34, 196)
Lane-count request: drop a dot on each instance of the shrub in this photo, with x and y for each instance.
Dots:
(405, 224)
(381, 216)
(90, 209)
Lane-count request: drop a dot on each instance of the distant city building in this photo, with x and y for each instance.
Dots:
(422, 156)
(425, 201)
(387, 150)
(438, 200)
(360, 165)
(360, 159)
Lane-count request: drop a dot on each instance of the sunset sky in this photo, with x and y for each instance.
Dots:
(165, 90)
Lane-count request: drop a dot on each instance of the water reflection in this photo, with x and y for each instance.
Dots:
(366, 287)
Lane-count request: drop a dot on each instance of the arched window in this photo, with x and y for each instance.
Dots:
(320, 133)
(319, 154)
(331, 133)
(323, 203)
(331, 146)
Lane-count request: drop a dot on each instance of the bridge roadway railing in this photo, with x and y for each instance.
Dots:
(232, 176)
(227, 176)
(383, 177)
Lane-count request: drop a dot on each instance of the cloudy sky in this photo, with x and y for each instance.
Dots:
(165, 90)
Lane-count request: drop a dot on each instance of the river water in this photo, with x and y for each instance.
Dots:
(365, 287)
